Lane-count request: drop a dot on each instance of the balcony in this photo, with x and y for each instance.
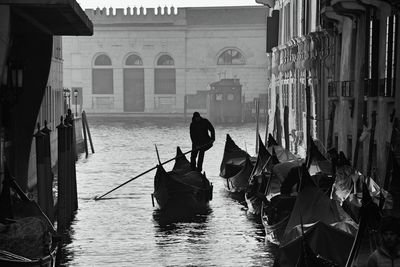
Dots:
(347, 88)
(386, 87)
(333, 87)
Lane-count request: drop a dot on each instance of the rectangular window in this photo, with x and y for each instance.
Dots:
(103, 81)
(164, 82)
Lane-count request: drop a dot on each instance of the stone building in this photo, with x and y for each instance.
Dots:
(146, 61)
(347, 53)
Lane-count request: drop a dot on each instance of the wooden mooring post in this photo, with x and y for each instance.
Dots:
(85, 125)
(68, 170)
(49, 173)
(41, 174)
(62, 221)
(72, 161)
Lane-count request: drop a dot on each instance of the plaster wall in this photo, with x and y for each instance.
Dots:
(193, 39)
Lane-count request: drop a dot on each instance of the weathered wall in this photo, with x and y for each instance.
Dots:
(193, 37)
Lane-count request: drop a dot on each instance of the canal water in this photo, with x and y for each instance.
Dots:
(122, 230)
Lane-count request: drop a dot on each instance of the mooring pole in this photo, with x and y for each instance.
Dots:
(48, 168)
(61, 179)
(40, 170)
(68, 170)
(88, 131)
(72, 136)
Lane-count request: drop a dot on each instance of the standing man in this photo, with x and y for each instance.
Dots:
(201, 140)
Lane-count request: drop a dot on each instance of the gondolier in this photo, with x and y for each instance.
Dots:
(200, 130)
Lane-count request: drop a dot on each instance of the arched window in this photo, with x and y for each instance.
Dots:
(164, 76)
(102, 60)
(165, 60)
(133, 60)
(231, 57)
(102, 75)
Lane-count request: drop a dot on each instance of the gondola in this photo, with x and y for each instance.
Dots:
(236, 167)
(258, 181)
(283, 185)
(182, 191)
(29, 238)
(276, 208)
(13, 260)
(316, 218)
(282, 154)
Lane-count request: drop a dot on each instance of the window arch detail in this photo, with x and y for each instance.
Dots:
(133, 60)
(231, 57)
(165, 60)
(102, 60)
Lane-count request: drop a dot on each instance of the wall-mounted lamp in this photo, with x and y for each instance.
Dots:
(67, 94)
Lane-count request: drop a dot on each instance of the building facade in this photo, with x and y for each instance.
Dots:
(347, 54)
(147, 63)
(51, 109)
(31, 77)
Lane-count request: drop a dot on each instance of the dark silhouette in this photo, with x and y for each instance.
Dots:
(388, 253)
(201, 139)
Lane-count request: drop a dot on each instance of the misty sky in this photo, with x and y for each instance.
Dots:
(153, 3)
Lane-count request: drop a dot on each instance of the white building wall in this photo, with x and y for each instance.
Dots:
(194, 48)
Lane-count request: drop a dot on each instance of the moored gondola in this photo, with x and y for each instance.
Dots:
(182, 191)
(276, 208)
(316, 218)
(258, 181)
(282, 189)
(29, 238)
(236, 167)
(282, 154)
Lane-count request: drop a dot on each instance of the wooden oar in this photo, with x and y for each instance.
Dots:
(149, 170)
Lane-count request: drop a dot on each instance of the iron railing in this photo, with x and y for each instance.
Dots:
(387, 87)
(333, 88)
(348, 88)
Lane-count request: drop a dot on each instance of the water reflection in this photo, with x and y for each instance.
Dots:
(172, 217)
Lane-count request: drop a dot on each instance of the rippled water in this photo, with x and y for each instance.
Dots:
(122, 230)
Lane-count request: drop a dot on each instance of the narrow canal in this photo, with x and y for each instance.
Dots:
(122, 230)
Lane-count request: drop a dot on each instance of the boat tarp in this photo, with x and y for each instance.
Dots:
(353, 201)
(283, 154)
(280, 173)
(317, 162)
(328, 241)
(233, 160)
(325, 223)
(262, 159)
(27, 237)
